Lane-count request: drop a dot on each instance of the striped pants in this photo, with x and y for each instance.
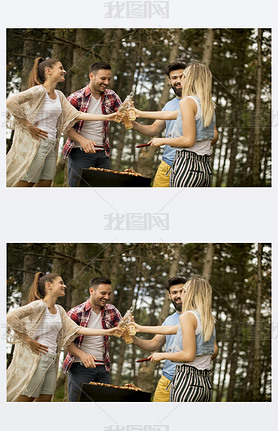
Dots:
(190, 385)
(190, 170)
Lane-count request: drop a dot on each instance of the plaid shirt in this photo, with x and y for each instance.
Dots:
(110, 102)
(81, 315)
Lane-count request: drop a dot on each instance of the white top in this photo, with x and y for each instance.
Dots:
(202, 362)
(200, 147)
(93, 345)
(48, 115)
(48, 330)
(93, 129)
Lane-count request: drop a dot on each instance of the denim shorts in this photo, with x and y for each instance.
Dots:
(44, 378)
(43, 166)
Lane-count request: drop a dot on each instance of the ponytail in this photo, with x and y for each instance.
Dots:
(37, 75)
(37, 290)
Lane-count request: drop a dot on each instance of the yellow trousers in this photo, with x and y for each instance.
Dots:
(162, 176)
(161, 394)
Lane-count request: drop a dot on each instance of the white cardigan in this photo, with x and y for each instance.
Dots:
(26, 320)
(25, 105)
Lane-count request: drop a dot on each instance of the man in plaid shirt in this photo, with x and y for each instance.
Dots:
(88, 144)
(88, 357)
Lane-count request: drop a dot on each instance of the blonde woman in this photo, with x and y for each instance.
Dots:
(195, 129)
(41, 329)
(194, 345)
(41, 114)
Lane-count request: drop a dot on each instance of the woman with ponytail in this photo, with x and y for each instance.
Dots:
(41, 328)
(41, 114)
(194, 345)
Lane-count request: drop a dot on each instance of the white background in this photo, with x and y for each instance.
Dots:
(196, 215)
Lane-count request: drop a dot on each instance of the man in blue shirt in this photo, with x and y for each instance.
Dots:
(162, 178)
(175, 288)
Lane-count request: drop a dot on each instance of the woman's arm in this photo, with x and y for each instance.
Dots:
(188, 326)
(188, 111)
(34, 345)
(84, 116)
(14, 320)
(14, 103)
(93, 331)
(149, 129)
(163, 330)
(15, 316)
(155, 343)
(156, 115)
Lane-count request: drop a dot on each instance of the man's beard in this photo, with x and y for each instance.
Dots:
(177, 91)
(178, 306)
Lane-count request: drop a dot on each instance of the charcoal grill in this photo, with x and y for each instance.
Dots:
(91, 178)
(104, 393)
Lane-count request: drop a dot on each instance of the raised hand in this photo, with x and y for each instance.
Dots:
(113, 331)
(115, 116)
(131, 111)
(137, 327)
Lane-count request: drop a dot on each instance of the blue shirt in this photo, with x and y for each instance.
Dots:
(169, 366)
(169, 152)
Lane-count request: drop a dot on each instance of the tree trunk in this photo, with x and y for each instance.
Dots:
(172, 272)
(28, 274)
(112, 55)
(145, 377)
(78, 275)
(208, 47)
(78, 54)
(237, 113)
(120, 362)
(208, 262)
(236, 335)
(257, 349)
(28, 58)
(120, 146)
(257, 145)
(221, 177)
(219, 372)
(56, 48)
(232, 373)
(233, 145)
(115, 266)
(176, 36)
(64, 268)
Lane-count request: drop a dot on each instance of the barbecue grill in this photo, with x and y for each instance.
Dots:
(104, 393)
(91, 178)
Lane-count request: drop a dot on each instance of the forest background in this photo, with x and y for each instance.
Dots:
(240, 61)
(240, 275)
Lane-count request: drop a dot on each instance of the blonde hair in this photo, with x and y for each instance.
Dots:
(198, 82)
(198, 297)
